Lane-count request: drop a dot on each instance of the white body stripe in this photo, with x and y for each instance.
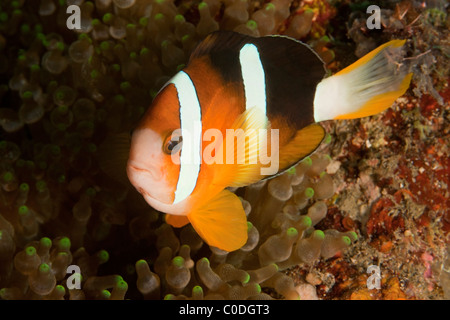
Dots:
(191, 131)
(253, 77)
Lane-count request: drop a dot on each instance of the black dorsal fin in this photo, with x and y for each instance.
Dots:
(292, 71)
(219, 41)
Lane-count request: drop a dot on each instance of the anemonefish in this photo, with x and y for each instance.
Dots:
(234, 81)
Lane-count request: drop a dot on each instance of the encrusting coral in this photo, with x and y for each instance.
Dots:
(67, 94)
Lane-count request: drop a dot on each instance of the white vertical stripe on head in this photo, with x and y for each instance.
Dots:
(253, 77)
(191, 131)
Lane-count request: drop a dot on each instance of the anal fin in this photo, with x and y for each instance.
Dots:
(303, 144)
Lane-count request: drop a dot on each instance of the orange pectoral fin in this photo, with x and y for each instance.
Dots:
(221, 222)
(246, 139)
(176, 221)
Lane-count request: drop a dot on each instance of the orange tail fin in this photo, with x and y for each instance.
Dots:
(368, 86)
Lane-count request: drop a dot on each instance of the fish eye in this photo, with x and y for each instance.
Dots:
(173, 143)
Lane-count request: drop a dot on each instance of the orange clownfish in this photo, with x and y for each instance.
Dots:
(273, 85)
